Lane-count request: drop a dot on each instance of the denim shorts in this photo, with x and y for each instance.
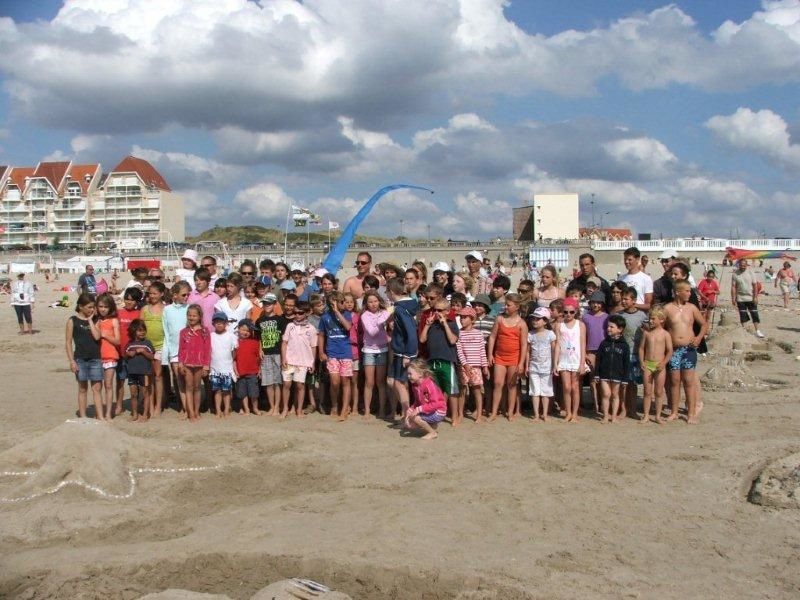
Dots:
(89, 369)
(369, 359)
(122, 370)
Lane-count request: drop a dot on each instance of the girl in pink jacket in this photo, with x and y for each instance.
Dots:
(430, 406)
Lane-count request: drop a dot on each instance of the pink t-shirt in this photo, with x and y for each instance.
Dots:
(207, 303)
(428, 398)
(301, 340)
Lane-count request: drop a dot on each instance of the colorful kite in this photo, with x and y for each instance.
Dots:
(741, 253)
(336, 255)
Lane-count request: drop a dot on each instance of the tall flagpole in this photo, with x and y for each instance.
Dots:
(286, 232)
(308, 238)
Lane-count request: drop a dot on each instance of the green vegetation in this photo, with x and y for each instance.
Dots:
(255, 234)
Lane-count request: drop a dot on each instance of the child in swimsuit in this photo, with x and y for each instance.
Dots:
(654, 354)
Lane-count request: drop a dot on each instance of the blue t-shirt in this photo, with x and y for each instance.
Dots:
(337, 340)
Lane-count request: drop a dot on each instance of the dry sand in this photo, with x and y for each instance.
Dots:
(505, 511)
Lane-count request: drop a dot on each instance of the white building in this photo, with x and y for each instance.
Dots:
(75, 205)
(550, 217)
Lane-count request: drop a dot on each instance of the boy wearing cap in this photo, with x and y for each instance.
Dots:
(248, 364)
(474, 366)
(270, 328)
(223, 369)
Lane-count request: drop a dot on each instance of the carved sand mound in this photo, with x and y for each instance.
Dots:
(778, 485)
(89, 454)
(732, 373)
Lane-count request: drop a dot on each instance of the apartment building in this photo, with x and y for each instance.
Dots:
(61, 203)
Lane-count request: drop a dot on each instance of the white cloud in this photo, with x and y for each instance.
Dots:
(104, 67)
(762, 132)
(650, 157)
(263, 202)
(187, 170)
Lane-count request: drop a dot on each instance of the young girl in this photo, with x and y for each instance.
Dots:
(194, 358)
(125, 315)
(542, 344)
(355, 342)
(139, 365)
(430, 407)
(375, 351)
(616, 297)
(83, 352)
(174, 320)
(474, 364)
(153, 314)
(595, 321)
(109, 348)
(507, 356)
(297, 357)
(570, 357)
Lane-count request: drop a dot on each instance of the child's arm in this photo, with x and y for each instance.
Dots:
(235, 370)
(321, 347)
(492, 339)
(147, 353)
(452, 336)
(284, 344)
(523, 347)
(668, 349)
(73, 366)
(582, 361)
(114, 337)
(346, 325)
(94, 329)
(462, 357)
(698, 318)
(645, 342)
(556, 355)
(423, 334)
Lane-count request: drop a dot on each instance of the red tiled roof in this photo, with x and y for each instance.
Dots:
(53, 172)
(18, 175)
(146, 171)
(78, 174)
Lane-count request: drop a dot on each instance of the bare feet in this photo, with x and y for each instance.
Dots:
(492, 418)
(672, 416)
(659, 420)
(133, 418)
(645, 420)
(430, 436)
(693, 420)
(698, 410)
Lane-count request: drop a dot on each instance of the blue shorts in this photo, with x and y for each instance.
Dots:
(89, 369)
(221, 382)
(432, 418)
(122, 370)
(684, 358)
(136, 379)
(397, 371)
(369, 359)
(634, 370)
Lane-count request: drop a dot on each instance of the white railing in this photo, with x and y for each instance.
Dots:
(712, 245)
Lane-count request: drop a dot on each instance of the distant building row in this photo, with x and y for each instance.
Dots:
(78, 205)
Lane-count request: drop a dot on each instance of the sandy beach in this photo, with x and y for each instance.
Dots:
(507, 510)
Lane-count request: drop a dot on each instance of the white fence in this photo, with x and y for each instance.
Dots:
(712, 245)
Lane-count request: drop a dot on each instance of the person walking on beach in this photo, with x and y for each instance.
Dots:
(785, 279)
(23, 299)
(744, 296)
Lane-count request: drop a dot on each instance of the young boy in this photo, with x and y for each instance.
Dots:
(654, 354)
(612, 366)
(248, 364)
(271, 328)
(634, 319)
(500, 287)
(404, 342)
(297, 357)
(223, 369)
(126, 315)
(333, 346)
(441, 336)
(681, 316)
(484, 322)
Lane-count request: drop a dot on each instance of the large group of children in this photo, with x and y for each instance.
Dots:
(390, 346)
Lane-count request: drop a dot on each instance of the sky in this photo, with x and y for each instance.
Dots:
(675, 119)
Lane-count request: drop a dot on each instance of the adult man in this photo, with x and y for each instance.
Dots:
(662, 287)
(355, 284)
(210, 263)
(248, 271)
(86, 282)
(637, 279)
(589, 269)
(785, 279)
(474, 264)
(744, 296)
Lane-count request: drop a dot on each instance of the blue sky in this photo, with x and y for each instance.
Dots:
(681, 118)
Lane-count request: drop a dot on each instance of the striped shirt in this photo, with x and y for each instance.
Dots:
(471, 348)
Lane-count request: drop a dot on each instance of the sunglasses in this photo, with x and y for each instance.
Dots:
(523, 290)
(431, 298)
(206, 265)
(250, 273)
(362, 262)
(570, 312)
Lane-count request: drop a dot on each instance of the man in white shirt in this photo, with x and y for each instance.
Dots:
(638, 279)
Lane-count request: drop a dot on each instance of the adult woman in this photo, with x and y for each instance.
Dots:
(22, 299)
(548, 289)
(785, 280)
(463, 283)
(420, 268)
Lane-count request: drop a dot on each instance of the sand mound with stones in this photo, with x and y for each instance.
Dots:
(731, 373)
(723, 339)
(286, 589)
(90, 454)
(778, 485)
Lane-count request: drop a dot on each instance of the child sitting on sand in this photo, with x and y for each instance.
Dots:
(681, 317)
(430, 407)
(654, 354)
